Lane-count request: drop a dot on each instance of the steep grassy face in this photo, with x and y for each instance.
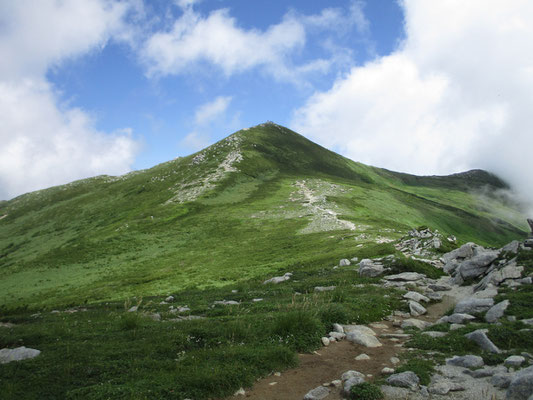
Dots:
(262, 200)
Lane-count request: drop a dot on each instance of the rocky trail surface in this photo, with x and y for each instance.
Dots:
(371, 353)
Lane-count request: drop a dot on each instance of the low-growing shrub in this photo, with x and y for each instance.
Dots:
(400, 264)
(422, 368)
(366, 391)
(334, 313)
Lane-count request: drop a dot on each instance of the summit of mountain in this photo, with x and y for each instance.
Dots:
(259, 201)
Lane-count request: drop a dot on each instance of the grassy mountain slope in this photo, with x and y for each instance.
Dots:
(260, 201)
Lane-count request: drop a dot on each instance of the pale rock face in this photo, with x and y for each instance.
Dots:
(17, 354)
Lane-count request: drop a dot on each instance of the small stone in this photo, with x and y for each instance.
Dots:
(362, 357)
(387, 371)
(414, 323)
(324, 288)
(454, 327)
(434, 334)
(133, 309)
(336, 383)
(257, 300)
(338, 328)
(351, 374)
(277, 373)
(395, 360)
(169, 299)
(273, 383)
(439, 287)
(336, 335)
(325, 341)
(344, 262)
(415, 296)
(240, 392)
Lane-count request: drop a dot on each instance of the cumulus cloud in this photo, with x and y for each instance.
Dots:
(43, 142)
(208, 116)
(218, 40)
(455, 95)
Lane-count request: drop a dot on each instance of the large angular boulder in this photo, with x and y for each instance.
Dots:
(496, 311)
(362, 335)
(473, 305)
(480, 337)
(521, 386)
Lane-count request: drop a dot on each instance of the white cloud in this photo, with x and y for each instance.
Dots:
(209, 111)
(218, 40)
(209, 118)
(455, 95)
(44, 143)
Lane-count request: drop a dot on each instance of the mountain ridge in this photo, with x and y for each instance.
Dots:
(259, 188)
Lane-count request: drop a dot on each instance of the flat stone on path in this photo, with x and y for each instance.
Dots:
(468, 361)
(405, 276)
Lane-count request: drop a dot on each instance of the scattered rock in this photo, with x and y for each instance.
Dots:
(405, 276)
(454, 327)
(17, 354)
(337, 335)
(415, 323)
(521, 387)
(394, 360)
(278, 279)
(442, 387)
(480, 337)
(387, 371)
(363, 337)
(416, 309)
(153, 316)
(369, 268)
(501, 380)
(133, 309)
(344, 262)
(318, 393)
(226, 302)
(473, 305)
(496, 311)
(324, 288)
(325, 341)
(511, 247)
(6, 325)
(434, 334)
(514, 361)
(352, 374)
(457, 318)
(415, 296)
(338, 328)
(362, 357)
(406, 379)
(240, 392)
(169, 299)
(439, 287)
(469, 361)
(257, 300)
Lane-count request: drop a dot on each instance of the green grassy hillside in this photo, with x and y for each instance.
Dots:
(263, 200)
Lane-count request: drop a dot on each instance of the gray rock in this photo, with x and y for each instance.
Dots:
(501, 381)
(414, 323)
(480, 337)
(480, 373)
(278, 279)
(370, 269)
(325, 341)
(153, 316)
(17, 354)
(527, 321)
(362, 357)
(511, 247)
(324, 288)
(465, 251)
(337, 335)
(457, 318)
(344, 262)
(317, 393)
(405, 276)
(514, 361)
(435, 296)
(469, 361)
(528, 243)
(362, 338)
(496, 311)
(169, 299)
(416, 309)
(434, 334)
(477, 265)
(226, 302)
(439, 287)
(338, 328)
(444, 386)
(521, 386)
(472, 305)
(454, 327)
(348, 384)
(352, 374)
(406, 379)
(133, 309)
(415, 296)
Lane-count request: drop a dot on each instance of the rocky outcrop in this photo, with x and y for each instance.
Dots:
(369, 268)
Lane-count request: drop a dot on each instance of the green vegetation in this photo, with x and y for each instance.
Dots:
(209, 227)
(400, 264)
(421, 367)
(366, 391)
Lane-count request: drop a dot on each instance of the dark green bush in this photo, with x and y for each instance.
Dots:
(300, 330)
(366, 391)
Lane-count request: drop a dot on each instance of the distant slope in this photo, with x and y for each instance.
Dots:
(261, 200)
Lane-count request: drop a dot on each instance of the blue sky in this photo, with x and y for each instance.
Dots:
(90, 87)
(112, 84)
